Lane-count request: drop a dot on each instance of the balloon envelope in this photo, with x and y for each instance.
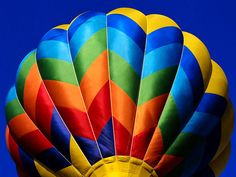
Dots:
(119, 94)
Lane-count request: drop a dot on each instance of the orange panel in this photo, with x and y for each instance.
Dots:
(123, 107)
(65, 94)
(21, 125)
(31, 88)
(154, 152)
(148, 114)
(94, 78)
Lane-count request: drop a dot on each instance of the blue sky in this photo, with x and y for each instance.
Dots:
(24, 22)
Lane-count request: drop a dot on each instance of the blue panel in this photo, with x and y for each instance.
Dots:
(84, 32)
(54, 49)
(161, 58)
(53, 159)
(212, 144)
(163, 36)
(183, 95)
(106, 140)
(191, 68)
(28, 164)
(129, 27)
(60, 135)
(213, 104)
(90, 149)
(11, 95)
(201, 124)
(126, 48)
(191, 163)
(81, 19)
(56, 34)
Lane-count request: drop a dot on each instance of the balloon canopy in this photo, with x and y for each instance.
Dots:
(119, 95)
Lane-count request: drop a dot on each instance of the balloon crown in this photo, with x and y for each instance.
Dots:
(119, 94)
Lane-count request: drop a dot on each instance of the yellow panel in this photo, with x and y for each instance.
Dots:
(220, 162)
(155, 22)
(78, 159)
(133, 14)
(43, 171)
(64, 26)
(217, 79)
(69, 171)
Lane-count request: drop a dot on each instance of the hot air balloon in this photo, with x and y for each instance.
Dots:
(119, 95)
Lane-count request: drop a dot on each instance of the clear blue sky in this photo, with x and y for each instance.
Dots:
(24, 22)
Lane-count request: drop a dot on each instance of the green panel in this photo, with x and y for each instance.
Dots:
(13, 109)
(91, 50)
(23, 73)
(184, 144)
(124, 75)
(169, 122)
(60, 70)
(156, 84)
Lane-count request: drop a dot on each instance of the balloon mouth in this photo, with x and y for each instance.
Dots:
(121, 166)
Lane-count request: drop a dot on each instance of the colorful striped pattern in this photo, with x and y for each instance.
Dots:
(58, 74)
(200, 125)
(119, 94)
(42, 111)
(26, 165)
(127, 28)
(32, 140)
(162, 55)
(92, 73)
(185, 94)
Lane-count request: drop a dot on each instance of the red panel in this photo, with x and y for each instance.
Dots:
(165, 167)
(141, 140)
(122, 139)
(44, 110)
(100, 110)
(34, 142)
(14, 150)
(77, 122)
